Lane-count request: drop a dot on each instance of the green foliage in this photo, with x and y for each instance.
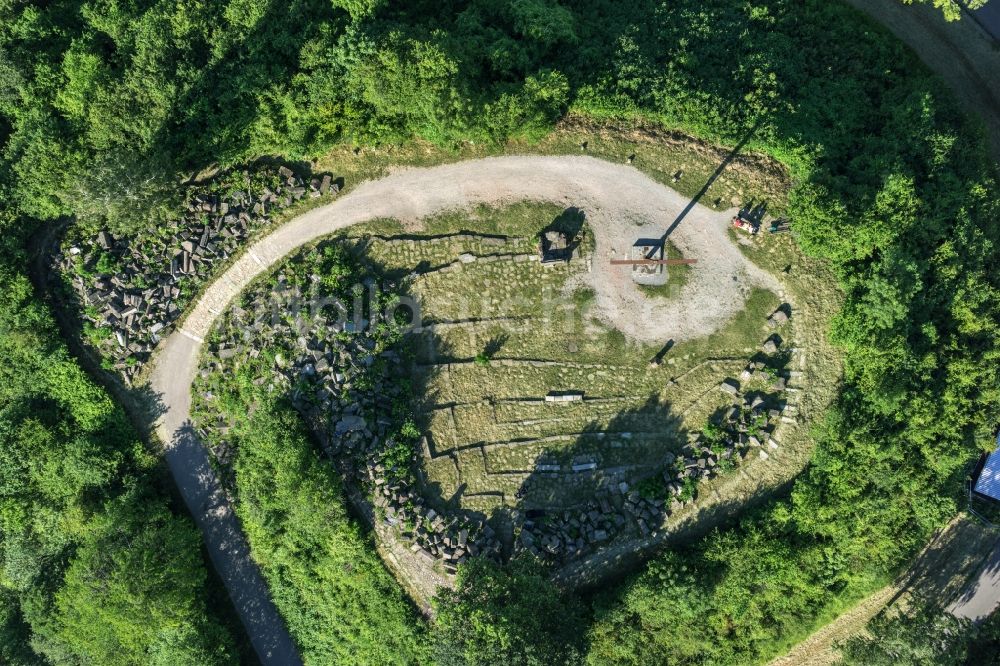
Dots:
(359, 8)
(952, 9)
(335, 269)
(104, 104)
(129, 596)
(671, 606)
(410, 431)
(904, 216)
(398, 459)
(94, 565)
(340, 603)
(689, 489)
(713, 605)
(531, 111)
(113, 188)
(713, 434)
(652, 488)
(924, 636)
(15, 634)
(106, 107)
(509, 615)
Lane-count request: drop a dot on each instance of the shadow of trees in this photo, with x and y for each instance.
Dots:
(569, 222)
(625, 437)
(635, 446)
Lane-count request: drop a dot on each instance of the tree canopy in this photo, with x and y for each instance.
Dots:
(96, 566)
(106, 105)
(511, 615)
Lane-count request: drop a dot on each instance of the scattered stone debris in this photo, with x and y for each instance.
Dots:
(132, 290)
(771, 345)
(553, 247)
(344, 390)
(778, 318)
(566, 534)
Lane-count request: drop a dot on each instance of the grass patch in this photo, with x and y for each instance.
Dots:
(539, 346)
(656, 152)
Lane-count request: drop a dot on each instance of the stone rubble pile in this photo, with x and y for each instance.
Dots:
(452, 539)
(136, 288)
(342, 384)
(746, 427)
(564, 535)
(345, 390)
(778, 318)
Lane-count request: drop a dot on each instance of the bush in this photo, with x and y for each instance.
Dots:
(892, 188)
(506, 614)
(340, 602)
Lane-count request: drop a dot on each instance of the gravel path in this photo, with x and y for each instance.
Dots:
(621, 204)
(988, 17)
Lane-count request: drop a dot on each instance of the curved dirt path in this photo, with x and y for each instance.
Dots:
(621, 204)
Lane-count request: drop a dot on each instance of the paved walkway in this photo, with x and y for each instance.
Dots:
(982, 596)
(616, 198)
(228, 547)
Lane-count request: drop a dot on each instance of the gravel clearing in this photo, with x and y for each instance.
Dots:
(621, 204)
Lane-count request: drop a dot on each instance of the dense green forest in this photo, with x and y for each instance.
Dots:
(514, 612)
(96, 565)
(105, 104)
(340, 602)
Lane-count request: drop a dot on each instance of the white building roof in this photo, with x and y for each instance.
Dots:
(988, 482)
